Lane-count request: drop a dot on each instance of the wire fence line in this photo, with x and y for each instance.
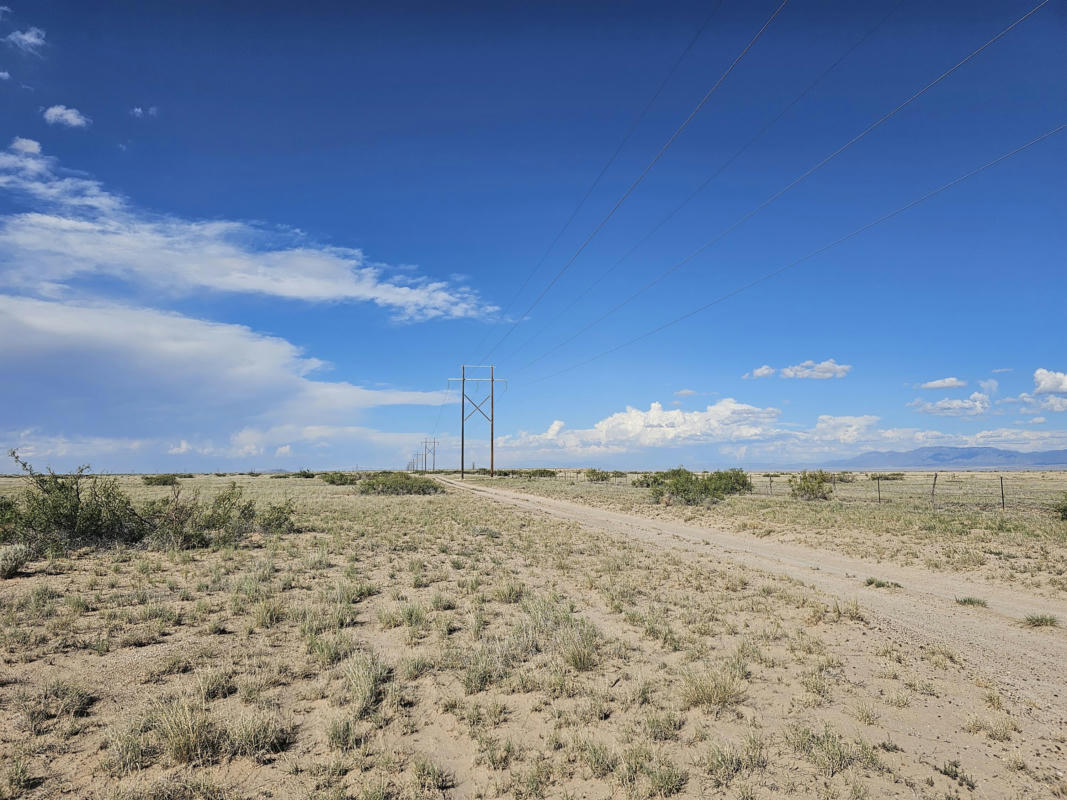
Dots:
(917, 491)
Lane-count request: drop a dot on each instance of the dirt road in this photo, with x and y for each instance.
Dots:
(1030, 663)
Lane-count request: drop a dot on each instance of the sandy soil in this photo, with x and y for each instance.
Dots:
(1029, 661)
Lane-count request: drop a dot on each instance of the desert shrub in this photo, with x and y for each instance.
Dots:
(178, 523)
(679, 485)
(278, 518)
(339, 478)
(59, 511)
(846, 477)
(160, 480)
(13, 557)
(541, 473)
(596, 475)
(304, 473)
(1061, 507)
(9, 515)
(887, 476)
(649, 480)
(398, 483)
(814, 485)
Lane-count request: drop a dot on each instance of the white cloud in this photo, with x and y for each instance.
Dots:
(30, 40)
(68, 117)
(974, 405)
(821, 371)
(153, 374)
(25, 146)
(32, 443)
(944, 383)
(137, 111)
(5, 75)
(998, 370)
(284, 450)
(740, 431)
(990, 386)
(1046, 381)
(759, 372)
(1037, 421)
(725, 421)
(685, 393)
(88, 230)
(140, 113)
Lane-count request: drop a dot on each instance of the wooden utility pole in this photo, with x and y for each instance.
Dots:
(492, 380)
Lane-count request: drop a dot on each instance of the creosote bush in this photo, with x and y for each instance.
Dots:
(398, 483)
(55, 513)
(12, 559)
(597, 475)
(679, 485)
(1061, 508)
(160, 480)
(814, 485)
(339, 478)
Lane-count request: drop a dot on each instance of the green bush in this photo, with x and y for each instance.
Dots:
(887, 476)
(278, 518)
(1061, 508)
(541, 473)
(78, 509)
(339, 478)
(398, 483)
(160, 480)
(304, 473)
(57, 512)
(597, 475)
(679, 485)
(846, 477)
(815, 485)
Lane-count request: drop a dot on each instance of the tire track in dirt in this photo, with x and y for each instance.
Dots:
(1029, 663)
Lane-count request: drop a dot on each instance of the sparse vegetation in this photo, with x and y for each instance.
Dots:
(681, 486)
(340, 478)
(398, 483)
(1041, 621)
(386, 647)
(816, 485)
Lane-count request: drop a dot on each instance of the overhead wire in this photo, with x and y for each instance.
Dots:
(800, 178)
(648, 168)
(806, 257)
(614, 157)
(707, 181)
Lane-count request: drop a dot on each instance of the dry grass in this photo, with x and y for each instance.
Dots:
(963, 530)
(415, 647)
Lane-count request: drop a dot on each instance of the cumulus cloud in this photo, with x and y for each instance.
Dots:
(27, 147)
(5, 75)
(759, 372)
(945, 383)
(974, 405)
(30, 40)
(1046, 382)
(68, 117)
(139, 112)
(740, 431)
(685, 393)
(990, 386)
(1037, 421)
(821, 371)
(86, 230)
(153, 373)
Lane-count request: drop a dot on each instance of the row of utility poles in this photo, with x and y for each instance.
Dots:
(418, 461)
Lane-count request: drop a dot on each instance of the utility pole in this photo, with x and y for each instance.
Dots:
(429, 448)
(492, 380)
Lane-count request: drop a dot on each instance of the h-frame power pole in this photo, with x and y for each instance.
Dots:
(429, 448)
(492, 380)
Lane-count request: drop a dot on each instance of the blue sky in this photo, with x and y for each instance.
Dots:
(257, 235)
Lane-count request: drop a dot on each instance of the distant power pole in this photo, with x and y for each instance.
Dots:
(429, 448)
(492, 380)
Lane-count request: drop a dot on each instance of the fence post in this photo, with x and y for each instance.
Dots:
(932, 488)
(1002, 493)
(878, 483)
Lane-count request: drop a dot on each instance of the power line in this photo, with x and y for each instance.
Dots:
(812, 254)
(707, 181)
(640, 177)
(614, 156)
(803, 176)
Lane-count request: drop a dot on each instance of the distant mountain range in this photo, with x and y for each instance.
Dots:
(956, 457)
